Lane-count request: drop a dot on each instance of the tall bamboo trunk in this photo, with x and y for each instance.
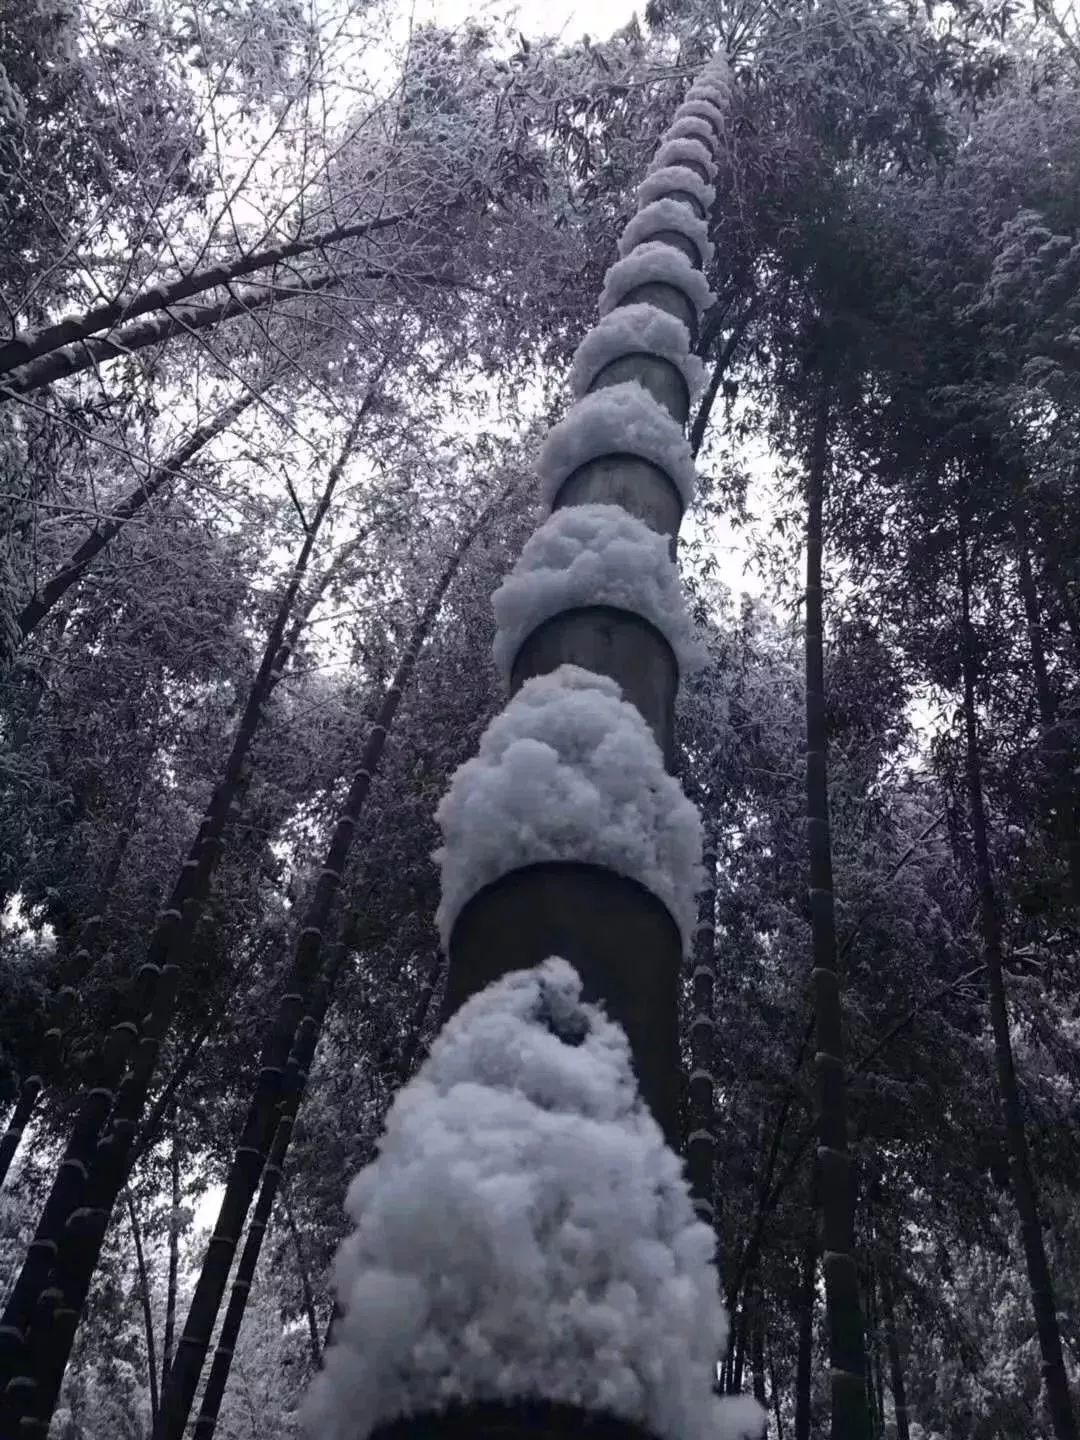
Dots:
(621, 938)
(1023, 1182)
(1054, 745)
(145, 1302)
(78, 562)
(261, 1121)
(46, 1302)
(65, 997)
(896, 1366)
(805, 1352)
(35, 344)
(847, 1358)
(174, 1256)
(295, 1078)
(701, 1141)
(85, 354)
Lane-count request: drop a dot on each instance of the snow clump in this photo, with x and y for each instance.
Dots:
(689, 127)
(659, 263)
(682, 152)
(667, 215)
(525, 1233)
(617, 420)
(635, 330)
(593, 555)
(569, 771)
(659, 183)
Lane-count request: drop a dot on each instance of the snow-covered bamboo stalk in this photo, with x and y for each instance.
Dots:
(43, 1309)
(597, 589)
(493, 1286)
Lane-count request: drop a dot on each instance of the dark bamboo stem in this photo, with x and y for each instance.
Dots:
(847, 1360)
(1023, 1182)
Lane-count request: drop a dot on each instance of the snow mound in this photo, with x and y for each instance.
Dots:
(593, 555)
(569, 771)
(526, 1233)
(690, 127)
(635, 330)
(618, 420)
(667, 178)
(679, 152)
(706, 110)
(667, 215)
(655, 261)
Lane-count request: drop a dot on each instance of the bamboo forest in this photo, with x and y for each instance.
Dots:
(539, 720)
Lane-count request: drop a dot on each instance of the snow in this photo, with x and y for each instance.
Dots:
(698, 105)
(679, 151)
(569, 771)
(525, 1232)
(618, 420)
(659, 183)
(655, 261)
(593, 555)
(690, 127)
(667, 215)
(635, 330)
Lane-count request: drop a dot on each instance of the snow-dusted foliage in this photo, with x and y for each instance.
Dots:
(667, 215)
(635, 330)
(569, 771)
(618, 420)
(525, 1233)
(679, 151)
(691, 127)
(593, 555)
(662, 182)
(655, 261)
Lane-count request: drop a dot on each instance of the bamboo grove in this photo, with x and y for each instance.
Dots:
(539, 631)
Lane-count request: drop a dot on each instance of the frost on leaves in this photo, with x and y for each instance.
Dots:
(592, 555)
(635, 330)
(569, 771)
(525, 1233)
(618, 420)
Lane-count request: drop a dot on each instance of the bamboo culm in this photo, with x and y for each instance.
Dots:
(1059, 1402)
(847, 1362)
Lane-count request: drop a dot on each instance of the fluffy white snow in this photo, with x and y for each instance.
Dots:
(655, 261)
(526, 1233)
(699, 105)
(634, 330)
(714, 85)
(569, 771)
(667, 215)
(618, 420)
(679, 151)
(691, 127)
(593, 555)
(659, 183)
